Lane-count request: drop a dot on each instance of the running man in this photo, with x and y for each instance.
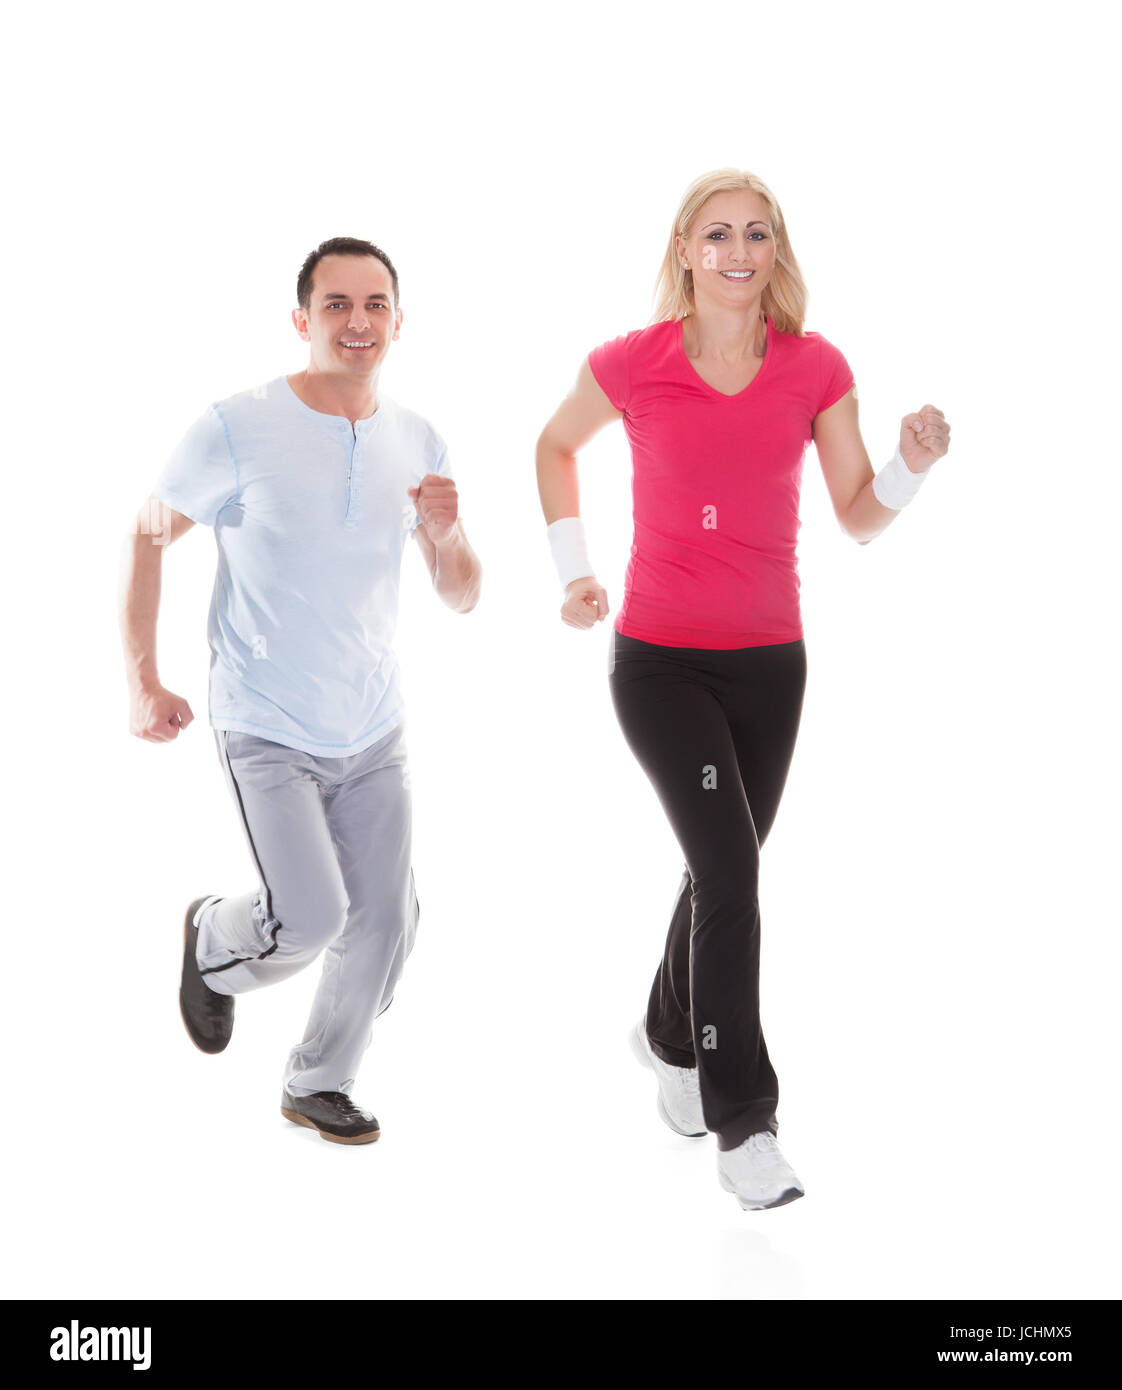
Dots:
(719, 395)
(312, 484)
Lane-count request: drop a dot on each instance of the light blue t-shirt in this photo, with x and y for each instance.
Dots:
(310, 517)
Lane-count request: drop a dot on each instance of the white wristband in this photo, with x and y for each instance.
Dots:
(570, 554)
(895, 485)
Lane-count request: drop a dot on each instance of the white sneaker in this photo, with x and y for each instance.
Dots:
(679, 1095)
(758, 1173)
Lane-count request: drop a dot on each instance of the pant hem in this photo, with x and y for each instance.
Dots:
(733, 1138)
(671, 1056)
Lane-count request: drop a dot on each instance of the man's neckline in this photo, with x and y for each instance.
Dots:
(327, 415)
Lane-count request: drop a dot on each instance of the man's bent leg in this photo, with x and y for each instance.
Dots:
(259, 938)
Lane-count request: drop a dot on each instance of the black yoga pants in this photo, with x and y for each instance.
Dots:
(714, 730)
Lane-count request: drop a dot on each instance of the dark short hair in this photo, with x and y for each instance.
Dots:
(339, 246)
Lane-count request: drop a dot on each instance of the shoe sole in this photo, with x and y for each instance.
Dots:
(640, 1053)
(187, 923)
(298, 1119)
(789, 1194)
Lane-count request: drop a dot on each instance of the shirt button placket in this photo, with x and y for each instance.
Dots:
(357, 475)
(350, 445)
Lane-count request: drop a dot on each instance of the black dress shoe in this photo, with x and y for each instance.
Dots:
(333, 1115)
(208, 1017)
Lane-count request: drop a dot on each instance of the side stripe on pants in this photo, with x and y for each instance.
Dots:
(220, 739)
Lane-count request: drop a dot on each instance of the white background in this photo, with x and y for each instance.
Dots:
(940, 920)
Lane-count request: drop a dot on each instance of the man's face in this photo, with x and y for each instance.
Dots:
(351, 319)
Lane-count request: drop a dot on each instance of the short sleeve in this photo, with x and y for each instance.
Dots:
(834, 375)
(610, 366)
(200, 477)
(436, 462)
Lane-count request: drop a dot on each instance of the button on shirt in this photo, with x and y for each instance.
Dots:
(310, 517)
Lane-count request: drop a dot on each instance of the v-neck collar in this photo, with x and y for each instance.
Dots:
(769, 353)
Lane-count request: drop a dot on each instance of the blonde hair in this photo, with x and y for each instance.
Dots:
(784, 297)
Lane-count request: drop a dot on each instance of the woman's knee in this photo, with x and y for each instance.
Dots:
(735, 882)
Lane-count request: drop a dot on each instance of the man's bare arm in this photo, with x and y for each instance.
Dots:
(457, 575)
(155, 714)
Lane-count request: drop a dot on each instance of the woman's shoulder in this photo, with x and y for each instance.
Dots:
(631, 357)
(814, 351)
(639, 337)
(812, 340)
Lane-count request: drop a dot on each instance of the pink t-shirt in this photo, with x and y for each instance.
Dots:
(715, 485)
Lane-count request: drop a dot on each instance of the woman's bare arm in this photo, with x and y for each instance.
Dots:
(924, 437)
(582, 414)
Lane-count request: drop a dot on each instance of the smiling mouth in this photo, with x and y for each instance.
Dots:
(738, 274)
(356, 347)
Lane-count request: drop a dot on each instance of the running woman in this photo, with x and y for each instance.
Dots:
(719, 395)
(313, 484)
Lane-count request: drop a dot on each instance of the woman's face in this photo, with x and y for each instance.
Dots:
(730, 250)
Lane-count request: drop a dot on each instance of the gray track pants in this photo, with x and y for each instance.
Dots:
(332, 842)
